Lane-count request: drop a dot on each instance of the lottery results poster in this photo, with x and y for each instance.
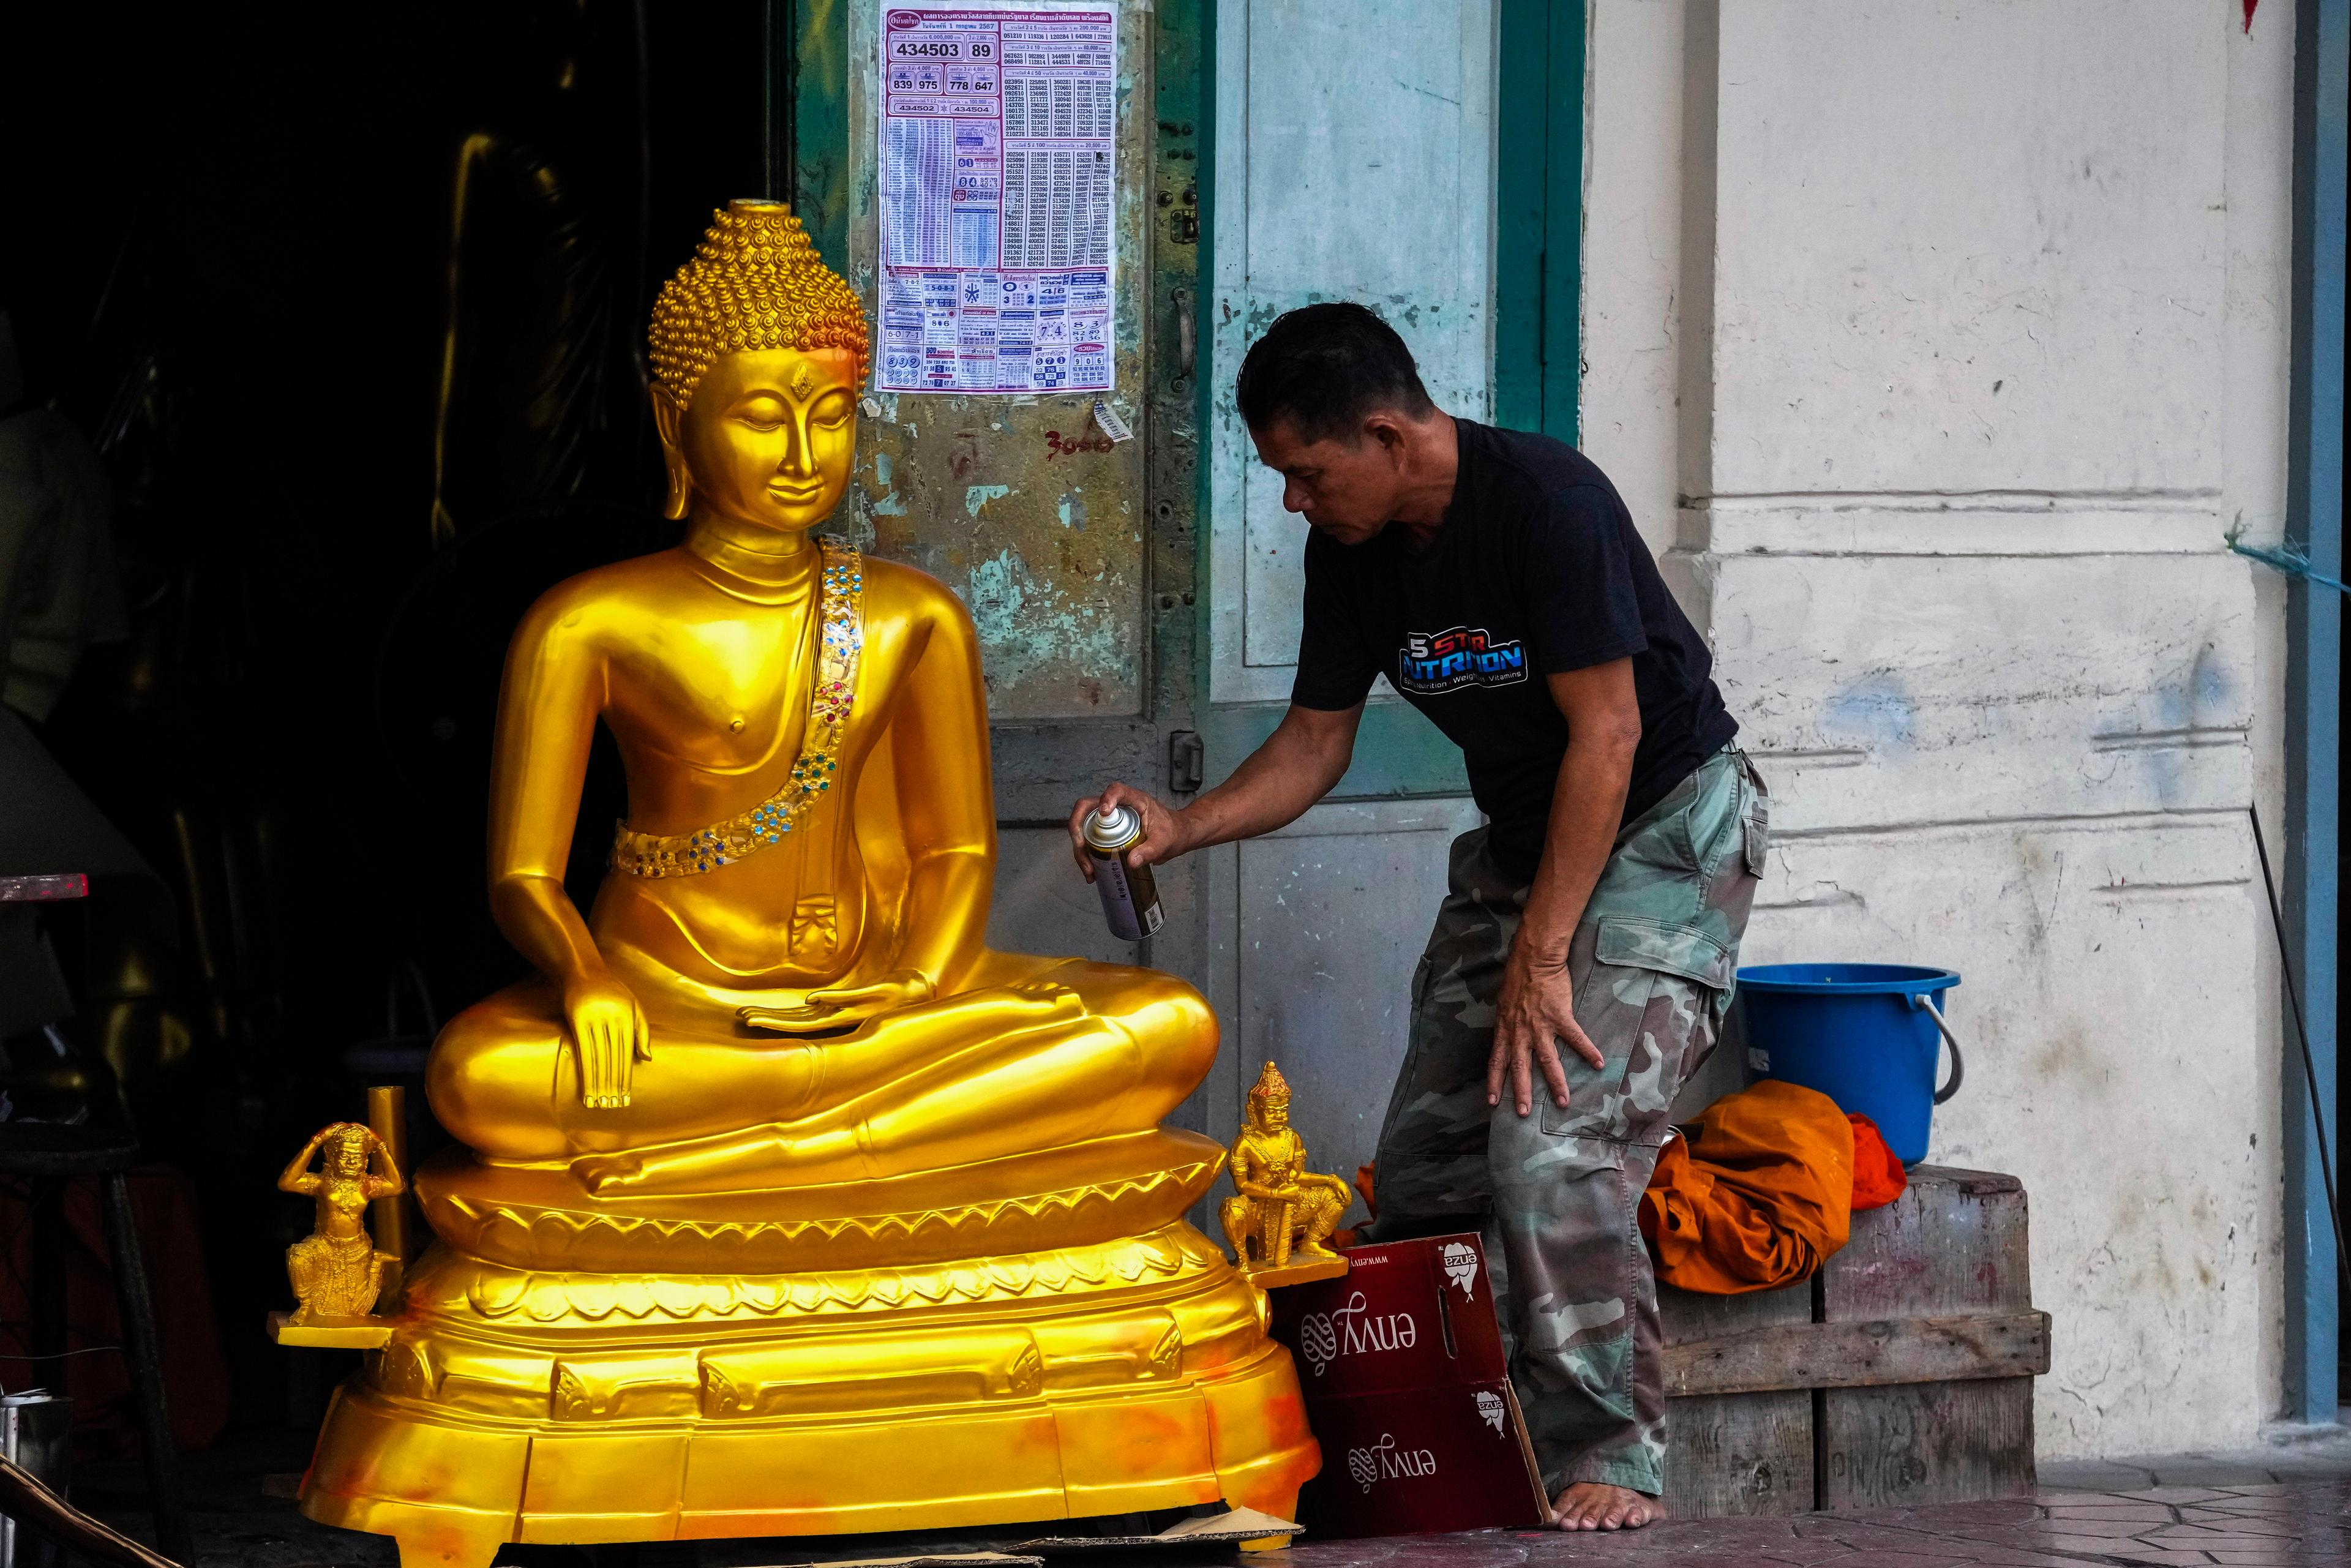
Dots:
(998, 127)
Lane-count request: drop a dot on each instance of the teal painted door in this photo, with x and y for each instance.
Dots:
(1283, 152)
(1396, 152)
(1354, 160)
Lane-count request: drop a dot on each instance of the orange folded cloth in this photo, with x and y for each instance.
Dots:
(1878, 1177)
(1758, 1195)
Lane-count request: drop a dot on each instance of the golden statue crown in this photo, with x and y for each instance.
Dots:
(755, 282)
(1270, 1085)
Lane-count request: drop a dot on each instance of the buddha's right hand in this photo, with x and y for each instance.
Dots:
(608, 1032)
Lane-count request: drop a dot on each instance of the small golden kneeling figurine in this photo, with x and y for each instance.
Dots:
(337, 1271)
(1278, 1224)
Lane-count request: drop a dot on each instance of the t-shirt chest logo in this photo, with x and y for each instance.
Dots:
(1463, 656)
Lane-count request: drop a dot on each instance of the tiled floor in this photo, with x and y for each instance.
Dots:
(2271, 1525)
(2264, 1508)
(2278, 1507)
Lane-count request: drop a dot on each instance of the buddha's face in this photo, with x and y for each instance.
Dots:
(1274, 1115)
(346, 1157)
(769, 438)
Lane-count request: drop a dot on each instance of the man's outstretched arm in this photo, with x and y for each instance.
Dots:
(1301, 762)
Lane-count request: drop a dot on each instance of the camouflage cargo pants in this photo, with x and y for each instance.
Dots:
(1555, 1191)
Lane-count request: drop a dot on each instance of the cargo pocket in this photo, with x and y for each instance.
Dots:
(1651, 989)
(1754, 816)
(1757, 828)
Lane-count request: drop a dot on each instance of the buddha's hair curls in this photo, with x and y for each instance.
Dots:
(755, 282)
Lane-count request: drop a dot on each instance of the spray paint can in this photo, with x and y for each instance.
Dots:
(1128, 894)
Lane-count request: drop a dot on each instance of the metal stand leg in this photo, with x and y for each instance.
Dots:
(48, 1301)
(140, 1344)
(50, 1250)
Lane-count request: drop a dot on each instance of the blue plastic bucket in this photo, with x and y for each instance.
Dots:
(1866, 1035)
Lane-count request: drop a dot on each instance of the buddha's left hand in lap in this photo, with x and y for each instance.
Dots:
(832, 1009)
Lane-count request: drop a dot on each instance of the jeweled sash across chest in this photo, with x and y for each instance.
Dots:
(840, 614)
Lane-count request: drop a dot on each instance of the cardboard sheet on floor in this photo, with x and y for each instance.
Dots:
(1208, 1530)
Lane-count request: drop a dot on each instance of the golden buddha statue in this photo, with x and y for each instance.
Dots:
(1278, 1222)
(788, 1206)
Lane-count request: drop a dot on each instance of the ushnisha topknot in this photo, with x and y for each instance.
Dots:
(755, 282)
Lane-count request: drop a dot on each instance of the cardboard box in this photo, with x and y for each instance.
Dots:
(1408, 1392)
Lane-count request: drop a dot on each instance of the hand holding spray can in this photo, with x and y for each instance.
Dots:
(1129, 894)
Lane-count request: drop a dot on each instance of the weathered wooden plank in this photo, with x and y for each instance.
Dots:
(1955, 1242)
(1926, 1443)
(1688, 1315)
(1735, 1454)
(1959, 1348)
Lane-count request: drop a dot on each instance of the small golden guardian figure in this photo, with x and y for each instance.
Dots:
(337, 1273)
(1278, 1222)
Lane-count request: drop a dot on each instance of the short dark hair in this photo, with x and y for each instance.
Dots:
(1326, 369)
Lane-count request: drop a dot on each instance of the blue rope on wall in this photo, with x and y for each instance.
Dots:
(2287, 558)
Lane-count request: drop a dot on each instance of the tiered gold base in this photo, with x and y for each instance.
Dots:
(1105, 1377)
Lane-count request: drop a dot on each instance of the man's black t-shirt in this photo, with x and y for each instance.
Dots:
(1537, 568)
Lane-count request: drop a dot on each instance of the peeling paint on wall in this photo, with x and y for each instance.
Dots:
(1026, 623)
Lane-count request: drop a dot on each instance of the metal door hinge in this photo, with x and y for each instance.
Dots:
(1186, 760)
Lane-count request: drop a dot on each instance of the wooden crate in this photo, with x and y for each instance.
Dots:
(1734, 1451)
(1902, 1374)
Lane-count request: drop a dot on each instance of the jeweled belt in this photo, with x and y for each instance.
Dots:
(840, 639)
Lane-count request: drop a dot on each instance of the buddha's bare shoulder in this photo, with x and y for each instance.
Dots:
(615, 599)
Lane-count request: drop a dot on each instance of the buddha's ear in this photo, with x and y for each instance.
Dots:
(669, 421)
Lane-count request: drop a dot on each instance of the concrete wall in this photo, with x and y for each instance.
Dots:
(1936, 345)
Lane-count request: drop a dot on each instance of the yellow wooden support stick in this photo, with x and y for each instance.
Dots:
(388, 1119)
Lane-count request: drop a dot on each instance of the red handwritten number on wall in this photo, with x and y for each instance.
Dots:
(1092, 440)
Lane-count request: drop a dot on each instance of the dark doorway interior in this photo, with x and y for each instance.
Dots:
(338, 476)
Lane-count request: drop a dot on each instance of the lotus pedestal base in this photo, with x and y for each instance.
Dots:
(1105, 1376)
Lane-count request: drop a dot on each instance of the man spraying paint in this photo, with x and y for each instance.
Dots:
(1496, 580)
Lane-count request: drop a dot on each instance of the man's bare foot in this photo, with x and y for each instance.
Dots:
(1594, 1505)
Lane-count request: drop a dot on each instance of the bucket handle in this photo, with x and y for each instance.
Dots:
(1959, 1067)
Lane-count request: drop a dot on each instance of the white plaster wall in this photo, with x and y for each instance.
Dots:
(2257, 174)
(1955, 333)
(1631, 255)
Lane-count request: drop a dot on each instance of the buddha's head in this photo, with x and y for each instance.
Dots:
(760, 350)
(1268, 1102)
(347, 1151)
